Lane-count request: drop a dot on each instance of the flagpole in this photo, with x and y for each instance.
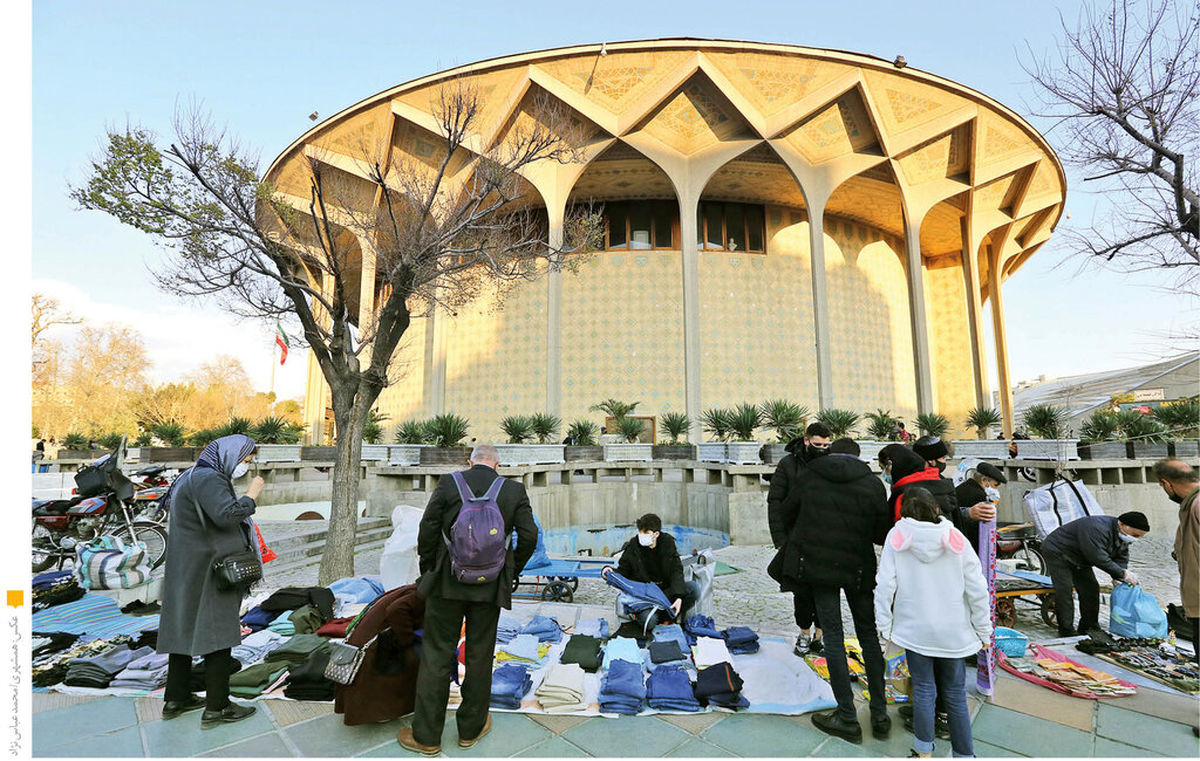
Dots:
(274, 346)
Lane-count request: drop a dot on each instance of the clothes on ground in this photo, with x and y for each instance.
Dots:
(669, 688)
(507, 628)
(256, 618)
(52, 642)
(709, 651)
(98, 670)
(582, 650)
(700, 626)
(335, 628)
(93, 617)
(623, 690)
(621, 649)
(592, 627)
(307, 681)
(283, 625)
(666, 652)
(741, 640)
(291, 598)
(255, 647)
(561, 691)
(253, 681)
(720, 685)
(546, 629)
(523, 648)
(146, 673)
(670, 633)
(306, 619)
(510, 683)
(632, 630)
(55, 588)
(353, 591)
(297, 650)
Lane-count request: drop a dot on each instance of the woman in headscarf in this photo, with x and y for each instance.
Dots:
(208, 522)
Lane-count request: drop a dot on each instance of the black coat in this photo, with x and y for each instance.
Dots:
(781, 496)
(908, 471)
(842, 512)
(968, 494)
(1089, 541)
(637, 564)
(436, 579)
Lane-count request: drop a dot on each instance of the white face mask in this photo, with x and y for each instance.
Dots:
(1127, 538)
(645, 539)
(240, 470)
(993, 493)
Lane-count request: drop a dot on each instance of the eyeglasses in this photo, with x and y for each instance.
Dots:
(820, 446)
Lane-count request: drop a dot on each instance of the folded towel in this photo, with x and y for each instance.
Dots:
(709, 651)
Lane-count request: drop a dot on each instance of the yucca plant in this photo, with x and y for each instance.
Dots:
(276, 430)
(518, 428)
(630, 428)
(882, 426)
(1181, 418)
(1100, 426)
(614, 408)
(372, 432)
(675, 425)
(932, 424)
(144, 439)
(1045, 420)
(982, 418)
(717, 422)
(784, 417)
(743, 421)
(172, 434)
(75, 441)
(201, 438)
(544, 426)
(411, 432)
(236, 425)
(583, 433)
(109, 441)
(839, 422)
(447, 430)
(1135, 426)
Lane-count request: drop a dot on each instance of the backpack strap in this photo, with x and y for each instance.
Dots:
(464, 491)
(494, 490)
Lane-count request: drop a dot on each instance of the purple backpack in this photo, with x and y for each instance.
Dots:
(478, 542)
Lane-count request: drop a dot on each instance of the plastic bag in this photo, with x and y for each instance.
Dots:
(1135, 613)
(539, 557)
(1057, 504)
(399, 564)
(108, 563)
(701, 569)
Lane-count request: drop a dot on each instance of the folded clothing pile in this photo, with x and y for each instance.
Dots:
(306, 619)
(592, 627)
(506, 629)
(741, 640)
(666, 652)
(669, 688)
(283, 625)
(623, 690)
(584, 651)
(146, 673)
(55, 588)
(562, 689)
(354, 590)
(700, 626)
(523, 649)
(256, 646)
(257, 619)
(510, 683)
(335, 628)
(99, 670)
(720, 685)
(546, 629)
(297, 650)
(45, 643)
(632, 630)
(709, 651)
(621, 648)
(307, 681)
(253, 681)
(670, 633)
(291, 598)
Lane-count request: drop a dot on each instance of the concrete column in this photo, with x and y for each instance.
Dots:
(435, 361)
(970, 265)
(427, 366)
(820, 301)
(998, 330)
(916, 309)
(691, 310)
(554, 319)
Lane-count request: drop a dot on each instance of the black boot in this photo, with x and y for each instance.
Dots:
(230, 713)
(833, 724)
(173, 708)
(881, 728)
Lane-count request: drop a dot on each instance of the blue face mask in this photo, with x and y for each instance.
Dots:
(887, 478)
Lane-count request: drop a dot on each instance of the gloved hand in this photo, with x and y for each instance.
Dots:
(1131, 578)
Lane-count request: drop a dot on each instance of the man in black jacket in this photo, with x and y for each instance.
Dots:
(652, 557)
(974, 504)
(1072, 550)
(449, 603)
(782, 510)
(843, 512)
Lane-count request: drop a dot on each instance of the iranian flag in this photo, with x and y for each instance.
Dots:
(281, 340)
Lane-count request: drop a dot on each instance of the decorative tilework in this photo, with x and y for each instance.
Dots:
(773, 82)
(491, 88)
(1045, 181)
(905, 103)
(365, 135)
(949, 343)
(617, 79)
(696, 117)
(840, 128)
(943, 156)
(405, 397)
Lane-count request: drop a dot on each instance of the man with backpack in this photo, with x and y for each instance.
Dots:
(467, 565)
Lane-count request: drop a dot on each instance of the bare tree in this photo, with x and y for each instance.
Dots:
(47, 313)
(1124, 88)
(443, 231)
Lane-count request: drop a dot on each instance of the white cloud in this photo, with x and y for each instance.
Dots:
(180, 337)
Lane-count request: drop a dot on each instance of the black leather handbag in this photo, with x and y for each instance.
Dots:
(237, 570)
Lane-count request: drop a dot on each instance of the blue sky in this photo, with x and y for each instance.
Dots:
(262, 67)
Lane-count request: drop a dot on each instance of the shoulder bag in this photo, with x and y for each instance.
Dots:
(345, 660)
(237, 570)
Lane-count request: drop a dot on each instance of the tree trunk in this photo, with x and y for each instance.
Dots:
(350, 411)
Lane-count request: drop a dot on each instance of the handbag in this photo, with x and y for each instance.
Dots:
(236, 570)
(345, 660)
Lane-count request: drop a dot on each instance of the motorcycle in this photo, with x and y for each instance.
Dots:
(101, 506)
(147, 498)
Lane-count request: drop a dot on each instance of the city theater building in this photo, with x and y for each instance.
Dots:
(780, 222)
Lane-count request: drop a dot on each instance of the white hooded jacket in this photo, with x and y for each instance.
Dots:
(930, 594)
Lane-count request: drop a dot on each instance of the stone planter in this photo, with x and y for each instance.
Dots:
(984, 449)
(711, 451)
(445, 456)
(1186, 448)
(1048, 449)
(773, 453)
(672, 451)
(1105, 450)
(374, 452)
(627, 452)
(611, 438)
(1149, 450)
(278, 453)
(133, 454)
(169, 454)
(530, 454)
(743, 452)
(869, 449)
(318, 453)
(583, 454)
(405, 454)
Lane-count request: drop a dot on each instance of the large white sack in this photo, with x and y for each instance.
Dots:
(399, 564)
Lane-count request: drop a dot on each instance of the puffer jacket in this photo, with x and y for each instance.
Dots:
(930, 594)
(908, 469)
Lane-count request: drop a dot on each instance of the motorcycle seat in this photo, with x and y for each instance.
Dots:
(152, 470)
(53, 506)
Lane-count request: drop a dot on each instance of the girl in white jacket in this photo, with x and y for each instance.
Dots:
(932, 600)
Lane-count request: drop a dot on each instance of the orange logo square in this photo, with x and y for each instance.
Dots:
(16, 598)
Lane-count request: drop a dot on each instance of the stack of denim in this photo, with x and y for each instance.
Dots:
(521, 649)
(622, 690)
(506, 629)
(544, 628)
(741, 640)
(592, 627)
(621, 648)
(510, 682)
(720, 685)
(670, 633)
(669, 688)
(700, 626)
(146, 673)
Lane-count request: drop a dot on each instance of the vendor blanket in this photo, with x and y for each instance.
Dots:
(1052, 669)
(91, 617)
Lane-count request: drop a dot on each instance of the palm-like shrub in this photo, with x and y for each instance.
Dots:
(109, 441)
(881, 425)
(372, 432)
(1100, 426)
(411, 432)
(518, 428)
(75, 441)
(172, 434)
(447, 430)
(744, 420)
(1045, 420)
(1135, 426)
(839, 422)
(615, 408)
(717, 422)
(675, 425)
(201, 438)
(784, 417)
(932, 424)
(544, 426)
(583, 433)
(1182, 418)
(236, 425)
(276, 430)
(630, 428)
(144, 439)
(982, 418)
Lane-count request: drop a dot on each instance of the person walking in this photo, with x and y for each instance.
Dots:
(842, 513)
(453, 596)
(932, 600)
(208, 522)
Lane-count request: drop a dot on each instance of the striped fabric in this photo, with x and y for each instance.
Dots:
(91, 617)
(107, 563)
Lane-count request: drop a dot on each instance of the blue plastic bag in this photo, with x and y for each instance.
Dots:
(1135, 613)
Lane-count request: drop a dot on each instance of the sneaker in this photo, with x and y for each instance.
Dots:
(230, 713)
(487, 727)
(832, 723)
(173, 708)
(406, 740)
(881, 728)
(941, 725)
(815, 646)
(802, 644)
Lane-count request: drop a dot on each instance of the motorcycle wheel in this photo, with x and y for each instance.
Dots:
(43, 549)
(150, 534)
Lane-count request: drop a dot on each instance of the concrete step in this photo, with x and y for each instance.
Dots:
(319, 531)
(293, 550)
(283, 565)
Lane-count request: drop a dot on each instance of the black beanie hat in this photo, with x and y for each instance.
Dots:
(930, 447)
(1134, 519)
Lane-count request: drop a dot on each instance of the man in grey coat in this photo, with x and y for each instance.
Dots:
(450, 602)
(208, 522)
(1072, 550)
